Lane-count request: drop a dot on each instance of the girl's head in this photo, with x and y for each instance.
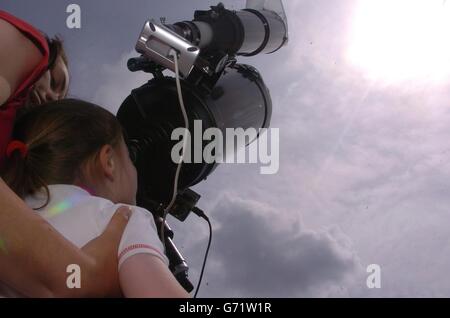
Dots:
(72, 142)
(54, 83)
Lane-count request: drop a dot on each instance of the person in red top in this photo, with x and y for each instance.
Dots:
(47, 81)
(34, 256)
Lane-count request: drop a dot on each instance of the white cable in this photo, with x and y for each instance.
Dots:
(174, 54)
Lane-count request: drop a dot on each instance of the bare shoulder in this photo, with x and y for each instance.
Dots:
(18, 56)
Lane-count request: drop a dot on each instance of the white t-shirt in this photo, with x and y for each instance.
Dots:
(81, 217)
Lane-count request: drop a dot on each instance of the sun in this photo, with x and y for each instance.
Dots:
(398, 40)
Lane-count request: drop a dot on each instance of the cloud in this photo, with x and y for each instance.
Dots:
(368, 157)
(257, 253)
(118, 83)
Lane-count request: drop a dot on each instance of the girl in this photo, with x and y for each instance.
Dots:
(70, 162)
(33, 69)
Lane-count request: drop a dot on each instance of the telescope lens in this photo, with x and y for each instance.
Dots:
(265, 32)
(149, 115)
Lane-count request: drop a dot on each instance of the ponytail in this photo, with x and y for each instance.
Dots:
(22, 178)
(53, 141)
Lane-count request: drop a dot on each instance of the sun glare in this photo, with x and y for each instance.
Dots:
(397, 40)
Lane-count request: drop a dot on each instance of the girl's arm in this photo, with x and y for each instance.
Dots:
(146, 276)
(18, 57)
(34, 257)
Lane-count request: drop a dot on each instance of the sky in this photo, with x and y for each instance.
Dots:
(361, 101)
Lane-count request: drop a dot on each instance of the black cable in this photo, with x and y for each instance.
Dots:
(201, 214)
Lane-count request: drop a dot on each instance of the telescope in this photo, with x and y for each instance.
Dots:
(217, 90)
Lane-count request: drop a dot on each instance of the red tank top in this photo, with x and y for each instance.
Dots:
(18, 98)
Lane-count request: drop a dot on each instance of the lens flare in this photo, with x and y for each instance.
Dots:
(59, 208)
(3, 247)
(62, 206)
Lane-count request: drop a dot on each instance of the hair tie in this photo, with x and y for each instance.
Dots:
(17, 145)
